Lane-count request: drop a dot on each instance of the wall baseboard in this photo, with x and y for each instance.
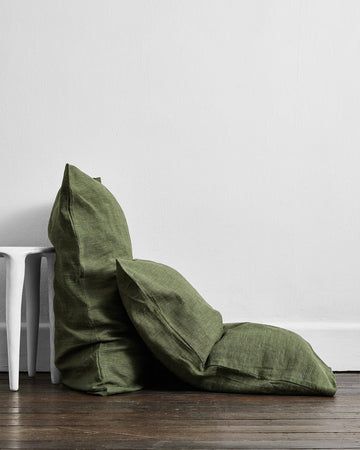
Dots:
(43, 348)
(337, 343)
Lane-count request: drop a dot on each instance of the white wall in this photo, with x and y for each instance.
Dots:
(228, 130)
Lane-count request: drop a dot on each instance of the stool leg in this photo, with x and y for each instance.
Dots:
(55, 374)
(32, 295)
(15, 271)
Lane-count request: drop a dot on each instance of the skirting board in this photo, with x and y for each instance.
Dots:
(337, 343)
(43, 348)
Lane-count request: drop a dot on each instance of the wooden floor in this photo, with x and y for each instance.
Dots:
(44, 416)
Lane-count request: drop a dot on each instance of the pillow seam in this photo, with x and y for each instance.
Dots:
(82, 279)
(306, 385)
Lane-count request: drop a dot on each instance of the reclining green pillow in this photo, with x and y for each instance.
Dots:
(97, 348)
(188, 337)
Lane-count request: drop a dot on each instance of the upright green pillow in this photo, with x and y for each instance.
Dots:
(97, 348)
(188, 337)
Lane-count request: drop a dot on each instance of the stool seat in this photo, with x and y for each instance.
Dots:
(23, 272)
(17, 249)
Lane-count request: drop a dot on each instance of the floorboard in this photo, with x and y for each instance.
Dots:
(44, 416)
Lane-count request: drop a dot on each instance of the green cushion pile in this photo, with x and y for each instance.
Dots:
(122, 322)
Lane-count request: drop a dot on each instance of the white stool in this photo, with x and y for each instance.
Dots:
(16, 258)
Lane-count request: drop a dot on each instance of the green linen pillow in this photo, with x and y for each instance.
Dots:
(176, 323)
(264, 359)
(97, 348)
(188, 337)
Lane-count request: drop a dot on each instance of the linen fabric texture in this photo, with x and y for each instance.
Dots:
(97, 349)
(188, 336)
